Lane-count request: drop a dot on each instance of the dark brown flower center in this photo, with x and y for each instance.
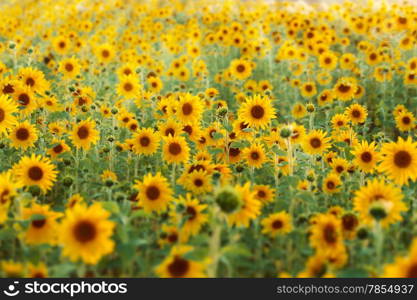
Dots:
(257, 111)
(366, 157)
(83, 132)
(343, 88)
(277, 224)
(255, 155)
(38, 223)
(85, 231)
(329, 234)
(191, 213)
(30, 81)
(240, 68)
(69, 67)
(22, 134)
(178, 267)
(24, 99)
(330, 185)
(315, 142)
(198, 182)
(144, 141)
(349, 222)
(174, 148)
(35, 173)
(402, 159)
(128, 87)
(58, 149)
(187, 109)
(153, 193)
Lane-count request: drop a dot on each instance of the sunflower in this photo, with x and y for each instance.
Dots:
(339, 165)
(356, 113)
(12, 269)
(257, 111)
(23, 135)
(326, 233)
(154, 193)
(128, 86)
(84, 134)
(69, 68)
(42, 224)
(316, 142)
(198, 182)
(399, 160)
(350, 224)
(328, 60)
(73, 200)
(170, 235)
(345, 88)
(189, 109)
(255, 155)
(176, 265)
(366, 156)
(33, 79)
(316, 267)
(240, 69)
(59, 147)
(176, 149)
(146, 141)
(382, 197)
(405, 121)
(7, 110)
(85, 233)
(105, 53)
(264, 193)
(35, 170)
(325, 97)
(299, 111)
(191, 216)
(308, 89)
(277, 224)
(331, 184)
(249, 209)
(8, 190)
(37, 271)
(403, 266)
(25, 98)
(339, 121)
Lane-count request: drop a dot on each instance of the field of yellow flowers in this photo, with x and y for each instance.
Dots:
(208, 139)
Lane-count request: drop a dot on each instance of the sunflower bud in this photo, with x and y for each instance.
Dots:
(35, 190)
(310, 107)
(67, 181)
(109, 182)
(221, 112)
(12, 45)
(114, 111)
(378, 211)
(228, 200)
(362, 233)
(285, 132)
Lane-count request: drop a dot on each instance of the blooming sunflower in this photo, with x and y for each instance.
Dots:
(33, 79)
(399, 160)
(69, 68)
(7, 110)
(23, 135)
(332, 183)
(326, 233)
(240, 69)
(345, 88)
(84, 134)
(43, 224)
(255, 155)
(264, 193)
(146, 141)
(192, 216)
(128, 86)
(175, 149)
(405, 121)
(35, 170)
(382, 196)
(39, 270)
(366, 156)
(198, 182)
(189, 109)
(85, 233)
(154, 193)
(316, 142)
(257, 111)
(58, 148)
(249, 209)
(176, 265)
(276, 224)
(356, 113)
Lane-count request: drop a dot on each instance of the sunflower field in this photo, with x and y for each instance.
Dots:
(208, 138)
